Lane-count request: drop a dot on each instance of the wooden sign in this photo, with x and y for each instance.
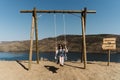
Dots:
(109, 44)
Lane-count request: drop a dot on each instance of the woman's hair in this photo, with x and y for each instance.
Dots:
(60, 45)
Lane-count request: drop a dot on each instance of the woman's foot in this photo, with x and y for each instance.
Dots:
(61, 65)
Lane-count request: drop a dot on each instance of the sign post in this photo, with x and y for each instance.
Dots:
(109, 44)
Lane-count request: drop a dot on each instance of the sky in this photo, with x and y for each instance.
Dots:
(16, 26)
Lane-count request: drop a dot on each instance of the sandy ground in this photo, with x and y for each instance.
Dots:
(46, 70)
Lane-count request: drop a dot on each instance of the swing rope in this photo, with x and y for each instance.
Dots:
(65, 39)
(55, 30)
(64, 34)
(64, 30)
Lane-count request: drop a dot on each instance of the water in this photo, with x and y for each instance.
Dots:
(10, 56)
(13, 56)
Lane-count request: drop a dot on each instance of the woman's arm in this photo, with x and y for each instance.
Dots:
(66, 49)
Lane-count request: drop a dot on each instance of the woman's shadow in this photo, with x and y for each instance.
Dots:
(53, 69)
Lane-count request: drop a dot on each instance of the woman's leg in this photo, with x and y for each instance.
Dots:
(62, 60)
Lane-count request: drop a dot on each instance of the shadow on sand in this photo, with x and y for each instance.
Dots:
(53, 69)
(22, 65)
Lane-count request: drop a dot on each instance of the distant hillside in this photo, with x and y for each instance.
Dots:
(74, 42)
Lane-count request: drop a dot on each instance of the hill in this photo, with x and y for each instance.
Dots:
(74, 43)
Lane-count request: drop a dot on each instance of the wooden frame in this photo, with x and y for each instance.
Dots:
(34, 25)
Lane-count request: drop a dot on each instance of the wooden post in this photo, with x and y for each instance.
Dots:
(108, 57)
(84, 14)
(36, 36)
(83, 36)
(82, 52)
(31, 42)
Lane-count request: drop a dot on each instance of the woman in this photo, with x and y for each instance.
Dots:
(60, 54)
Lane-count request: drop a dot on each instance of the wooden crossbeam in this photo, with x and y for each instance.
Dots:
(57, 11)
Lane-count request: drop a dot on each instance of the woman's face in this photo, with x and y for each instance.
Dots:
(60, 47)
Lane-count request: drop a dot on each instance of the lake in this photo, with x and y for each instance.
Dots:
(12, 56)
